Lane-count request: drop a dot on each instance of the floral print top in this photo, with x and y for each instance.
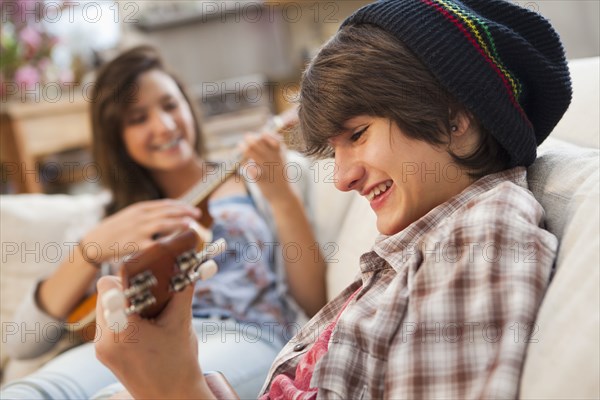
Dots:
(245, 288)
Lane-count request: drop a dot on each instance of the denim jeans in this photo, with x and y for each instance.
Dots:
(240, 351)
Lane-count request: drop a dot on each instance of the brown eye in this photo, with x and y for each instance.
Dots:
(170, 106)
(355, 136)
(136, 119)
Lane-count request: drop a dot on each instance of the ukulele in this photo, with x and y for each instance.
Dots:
(81, 320)
(152, 277)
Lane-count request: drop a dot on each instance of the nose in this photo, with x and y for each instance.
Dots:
(347, 173)
(163, 122)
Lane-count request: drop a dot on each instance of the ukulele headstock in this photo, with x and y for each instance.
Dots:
(152, 277)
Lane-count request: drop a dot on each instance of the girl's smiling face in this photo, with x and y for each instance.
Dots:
(402, 178)
(158, 130)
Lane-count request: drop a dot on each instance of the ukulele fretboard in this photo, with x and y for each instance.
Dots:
(211, 180)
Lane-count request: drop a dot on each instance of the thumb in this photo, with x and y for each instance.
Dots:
(103, 285)
(107, 283)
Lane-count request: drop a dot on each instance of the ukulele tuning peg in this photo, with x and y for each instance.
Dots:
(205, 271)
(140, 283)
(186, 261)
(179, 282)
(214, 249)
(211, 250)
(208, 269)
(113, 302)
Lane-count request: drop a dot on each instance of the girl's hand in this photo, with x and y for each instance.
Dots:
(267, 166)
(153, 358)
(305, 275)
(134, 228)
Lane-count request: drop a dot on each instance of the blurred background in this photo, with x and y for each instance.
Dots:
(242, 60)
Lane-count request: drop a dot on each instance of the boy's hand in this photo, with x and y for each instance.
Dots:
(153, 358)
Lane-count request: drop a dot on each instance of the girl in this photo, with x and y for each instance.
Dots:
(148, 145)
(432, 110)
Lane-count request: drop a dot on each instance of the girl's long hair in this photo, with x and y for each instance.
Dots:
(113, 93)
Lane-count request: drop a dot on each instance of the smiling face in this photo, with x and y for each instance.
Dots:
(158, 129)
(402, 178)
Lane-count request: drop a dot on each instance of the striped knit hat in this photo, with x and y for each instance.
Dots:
(505, 63)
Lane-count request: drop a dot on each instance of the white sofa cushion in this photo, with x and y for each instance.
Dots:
(356, 236)
(330, 205)
(36, 231)
(581, 125)
(563, 359)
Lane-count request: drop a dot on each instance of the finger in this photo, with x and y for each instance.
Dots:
(257, 149)
(267, 145)
(177, 312)
(250, 140)
(165, 204)
(263, 140)
(108, 335)
(251, 170)
(173, 212)
(272, 140)
(103, 285)
(172, 225)
(108, 282)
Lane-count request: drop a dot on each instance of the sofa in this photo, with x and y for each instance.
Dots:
(563, 356)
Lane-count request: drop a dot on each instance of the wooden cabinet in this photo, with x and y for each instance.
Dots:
(31, 130)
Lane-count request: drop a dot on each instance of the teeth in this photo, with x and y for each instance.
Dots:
(168, 145)
(379, 189)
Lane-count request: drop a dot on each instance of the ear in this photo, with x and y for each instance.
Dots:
(461, 124)
(464, 134)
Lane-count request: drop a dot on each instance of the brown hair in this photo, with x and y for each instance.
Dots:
(363, 70)
(113, 92)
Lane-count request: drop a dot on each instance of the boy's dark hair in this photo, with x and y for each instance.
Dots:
(363, 70)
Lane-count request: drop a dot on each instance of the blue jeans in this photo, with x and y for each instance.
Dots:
(239, 351)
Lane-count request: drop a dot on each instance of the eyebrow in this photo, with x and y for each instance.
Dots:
(166, 97)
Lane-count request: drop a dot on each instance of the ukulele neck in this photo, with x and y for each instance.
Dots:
(212, 180)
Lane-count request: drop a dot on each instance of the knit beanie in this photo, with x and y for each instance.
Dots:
(505, 63)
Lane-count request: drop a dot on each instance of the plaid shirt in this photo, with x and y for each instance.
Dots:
(446, 307)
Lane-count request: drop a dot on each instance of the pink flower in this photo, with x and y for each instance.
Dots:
(31, 36)
(32, 39)
(27, 76)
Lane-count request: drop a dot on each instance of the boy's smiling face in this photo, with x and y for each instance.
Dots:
(402, 178)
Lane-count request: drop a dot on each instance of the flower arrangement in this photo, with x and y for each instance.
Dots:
(26, 49)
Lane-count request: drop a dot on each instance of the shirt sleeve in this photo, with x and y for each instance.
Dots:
(32, 332)
(473, 301)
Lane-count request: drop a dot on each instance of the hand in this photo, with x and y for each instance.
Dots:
(133, 228)
(283, 121)
(267, 166)
(153, 358)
